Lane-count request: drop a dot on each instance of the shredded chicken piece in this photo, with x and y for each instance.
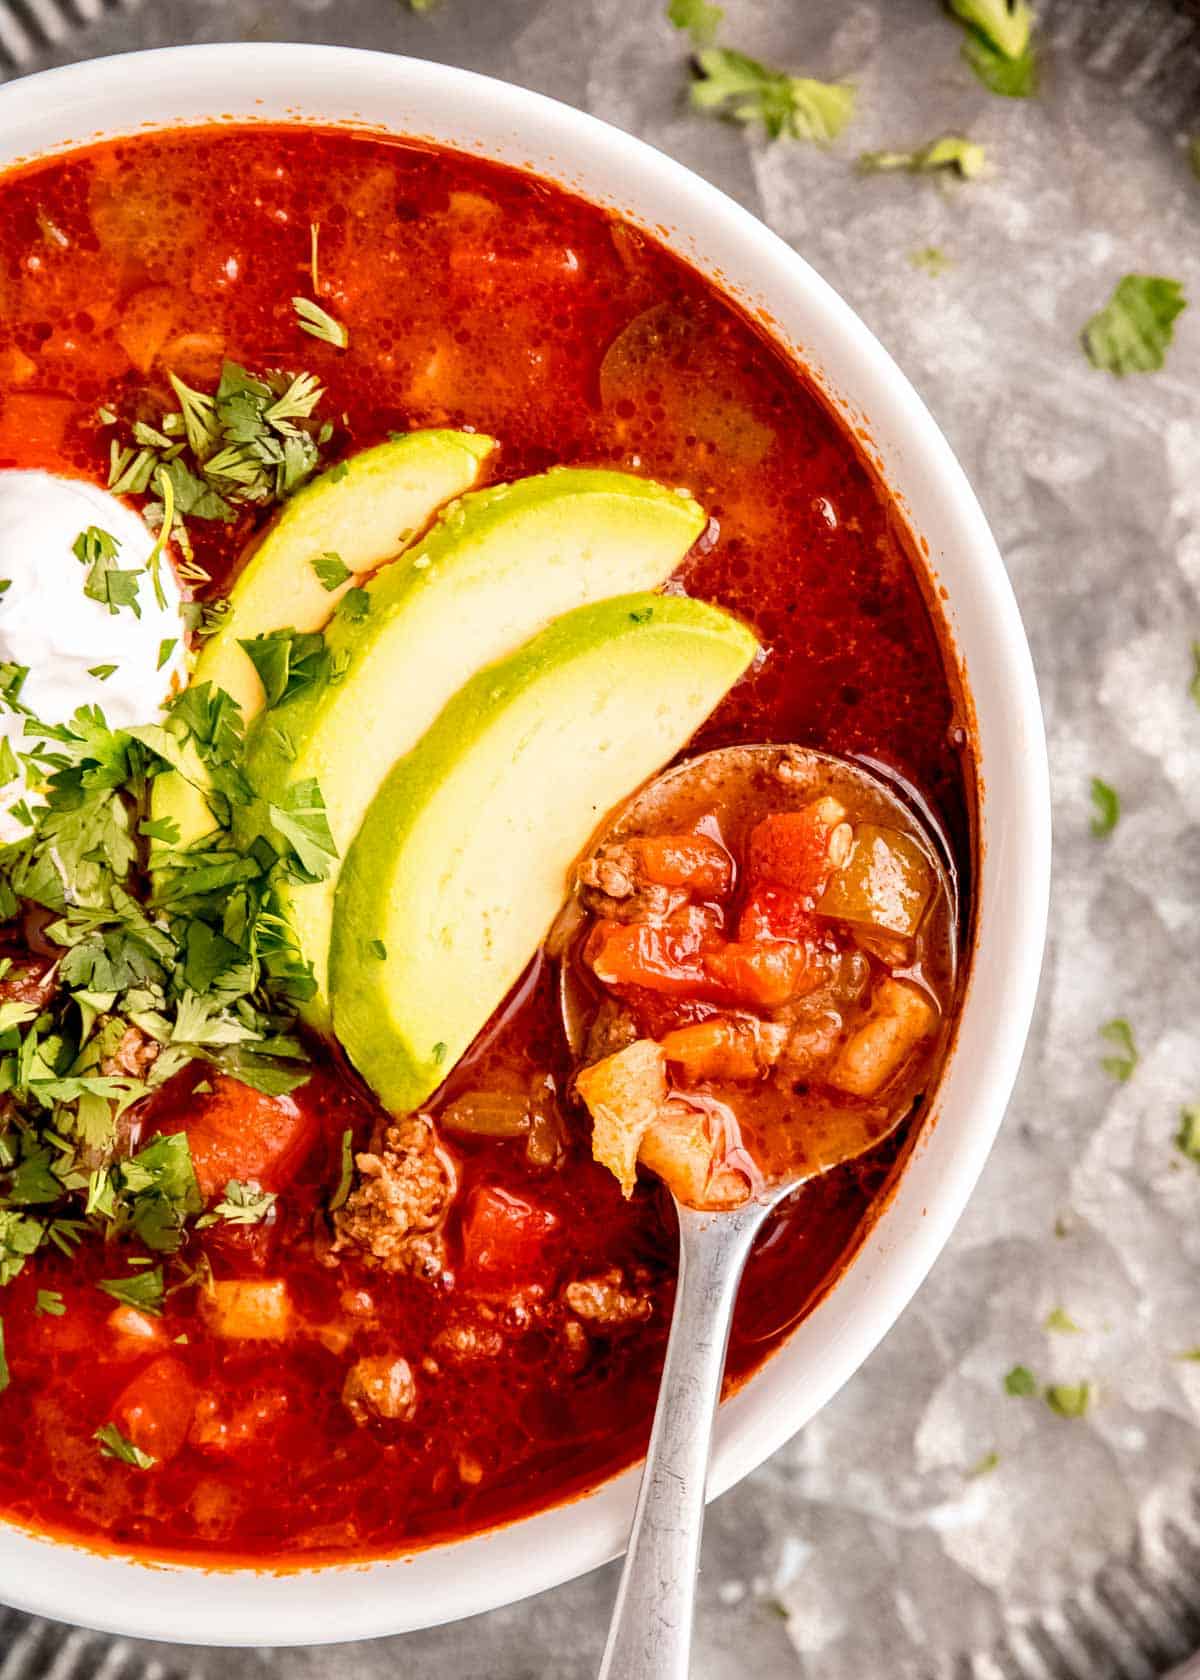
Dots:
(394, 1216)
(380, 1387)
(605, 1301)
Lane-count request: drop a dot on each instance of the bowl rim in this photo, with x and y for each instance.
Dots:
(59, 110)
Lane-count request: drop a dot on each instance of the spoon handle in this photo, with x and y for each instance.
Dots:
(650, 1636)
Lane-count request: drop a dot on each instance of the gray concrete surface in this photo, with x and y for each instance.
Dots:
(865, 1548)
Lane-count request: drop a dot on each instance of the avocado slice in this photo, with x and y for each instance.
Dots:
(496, 568)
(365, 510)
(462, 861)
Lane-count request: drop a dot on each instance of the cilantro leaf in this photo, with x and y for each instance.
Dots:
(332, 571)
(952, 152)
(346, 1175)
(287, 660)
(115, 1445)
(1187, 1138)
(302, 823)
(1133, 330)
(1107, 803)
(699, 18)
(318, 322)
(143, 1290)
(105, 582)
(1060, 1320)
(242, 1204)
(49, 1304)
(999, 44)
(738, 87)
(354, 606)
(1021, 1382)
(1069, 1400)
(1119, 1033)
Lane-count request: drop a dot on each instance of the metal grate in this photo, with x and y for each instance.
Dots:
(30, 28)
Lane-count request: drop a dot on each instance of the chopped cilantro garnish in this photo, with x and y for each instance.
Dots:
(101, 672)
(1021, 1382)
(114, 1445)
(1131, 333)
(49, 1304)
(165, 649)
(9, 768)
(1194, 685)
(5, 585)
(332, 571)
(242, 1204)
(1107, 808)
(740, 88)
(931, 258)
(1119, 1033)
(439, 1053)
(302, 823)
(1059, 1319)
(286, 661)
(144, 1290)
(951, 152)
(320, 323)
(346, 1176)
(1069, 1400)
(699, 18)
(377, 949)
(999, 44)
(354, 605)
(105, 581)
(1187, 1138)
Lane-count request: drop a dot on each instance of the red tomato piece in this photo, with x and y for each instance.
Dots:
(659, 956)
(504, 1237)
(763, 975)
(775, 913)
(684, 860)
(154, 1411)
(236, 1132)
(791, 848)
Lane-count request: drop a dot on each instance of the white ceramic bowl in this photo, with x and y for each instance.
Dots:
(116, 96)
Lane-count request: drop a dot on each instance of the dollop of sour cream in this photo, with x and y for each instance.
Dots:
(65, 638)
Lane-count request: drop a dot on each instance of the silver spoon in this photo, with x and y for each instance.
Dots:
(650, 1635)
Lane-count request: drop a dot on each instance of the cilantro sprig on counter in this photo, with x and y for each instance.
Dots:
(740, 88)
(998, 44)
(1132, 332)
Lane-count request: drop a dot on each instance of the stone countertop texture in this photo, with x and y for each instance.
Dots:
(866, 1547)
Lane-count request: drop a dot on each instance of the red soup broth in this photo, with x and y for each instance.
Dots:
(483, 297)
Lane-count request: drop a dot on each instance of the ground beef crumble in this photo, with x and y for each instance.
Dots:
(393, 1218)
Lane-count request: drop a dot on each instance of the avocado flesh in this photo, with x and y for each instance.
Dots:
(462, 861)
(364, 511)
(495, 569)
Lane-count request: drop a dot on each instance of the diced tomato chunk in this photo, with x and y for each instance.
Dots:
(792, 848)
(775, 913)
(661, 956)
(236, 1132)
(154, 1411)
(684, 860)
(763, 975)
(504, 1237)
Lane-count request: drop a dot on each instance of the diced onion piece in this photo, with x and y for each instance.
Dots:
(901, 1017)
(886, 882)
(499, 1114)
(624, 1094)
(248, 1309)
